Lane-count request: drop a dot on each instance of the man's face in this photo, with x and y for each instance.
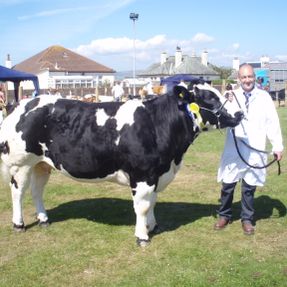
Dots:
(247, 78)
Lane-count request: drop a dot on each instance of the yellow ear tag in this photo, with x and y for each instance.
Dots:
(194, 108)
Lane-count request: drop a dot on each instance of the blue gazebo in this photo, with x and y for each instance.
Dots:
(16, 77)
(174, 80)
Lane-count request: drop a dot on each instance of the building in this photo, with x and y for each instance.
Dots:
(60, 68)
(181, 64)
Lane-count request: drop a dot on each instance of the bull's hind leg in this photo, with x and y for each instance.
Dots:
(19, 183)
(40, 176)
(144, 199)
(151, 222)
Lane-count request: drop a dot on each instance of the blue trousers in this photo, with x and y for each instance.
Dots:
(247, 201)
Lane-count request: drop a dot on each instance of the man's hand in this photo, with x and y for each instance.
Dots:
(278, 155)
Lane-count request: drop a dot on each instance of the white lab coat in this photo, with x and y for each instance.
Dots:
(117, 92)
(260, 123)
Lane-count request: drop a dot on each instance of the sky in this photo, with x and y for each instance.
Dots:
(102, 30)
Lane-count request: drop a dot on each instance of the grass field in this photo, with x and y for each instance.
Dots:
(91, 243)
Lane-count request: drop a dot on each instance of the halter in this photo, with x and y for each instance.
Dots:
(215, 112)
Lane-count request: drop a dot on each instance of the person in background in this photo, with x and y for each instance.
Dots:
(2, 94)
(261, 122)
(2, 102)
(148, 88)
(259, 82)
(267, 87)
(117, 92)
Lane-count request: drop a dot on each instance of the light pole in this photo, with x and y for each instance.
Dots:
(134, 17)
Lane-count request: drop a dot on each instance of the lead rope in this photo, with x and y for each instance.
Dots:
(250, 165)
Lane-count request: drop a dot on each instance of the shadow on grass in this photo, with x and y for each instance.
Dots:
(170, 215)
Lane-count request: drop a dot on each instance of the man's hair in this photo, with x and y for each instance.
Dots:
(245, 64)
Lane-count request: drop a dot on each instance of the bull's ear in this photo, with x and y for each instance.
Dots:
(183, 95)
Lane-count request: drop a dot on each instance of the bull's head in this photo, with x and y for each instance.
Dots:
(212, 103)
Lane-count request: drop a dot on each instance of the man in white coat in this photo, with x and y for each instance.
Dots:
(117, 92)
(260, 123)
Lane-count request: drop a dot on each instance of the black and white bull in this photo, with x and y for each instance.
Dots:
(140, 144)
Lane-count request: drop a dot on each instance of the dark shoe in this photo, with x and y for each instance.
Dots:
(248, 228)
(221, 223)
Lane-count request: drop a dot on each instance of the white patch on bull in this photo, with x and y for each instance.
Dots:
(165, 179)
(125, 114)
(143, 187)
(101, 117)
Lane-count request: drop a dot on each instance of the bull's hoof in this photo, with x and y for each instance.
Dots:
(44, 224)
(19, 227)
(143, 242)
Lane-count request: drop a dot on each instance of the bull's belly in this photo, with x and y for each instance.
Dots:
(119, 177)
(123, 178)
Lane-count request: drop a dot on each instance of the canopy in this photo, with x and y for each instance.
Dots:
(16, 77)
(175, 80)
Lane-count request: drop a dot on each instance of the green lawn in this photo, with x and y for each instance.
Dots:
(91, 243)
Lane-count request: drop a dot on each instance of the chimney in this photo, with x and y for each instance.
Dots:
(264, 60)
(178, 57)
(8, 63)
(163, 58)
(204, 57)
(193, 54)
(235, 64)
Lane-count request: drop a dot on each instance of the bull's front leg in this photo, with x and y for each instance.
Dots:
(144, 199)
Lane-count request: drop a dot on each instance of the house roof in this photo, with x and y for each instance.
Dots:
(190, 65)
(57, 58)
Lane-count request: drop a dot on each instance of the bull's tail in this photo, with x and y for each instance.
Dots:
(5, 172)
(6, 109)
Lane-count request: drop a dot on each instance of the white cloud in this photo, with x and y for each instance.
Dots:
(202, 38)
(235, 46)
(281, 57)
(106, 46)
(120, 45)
